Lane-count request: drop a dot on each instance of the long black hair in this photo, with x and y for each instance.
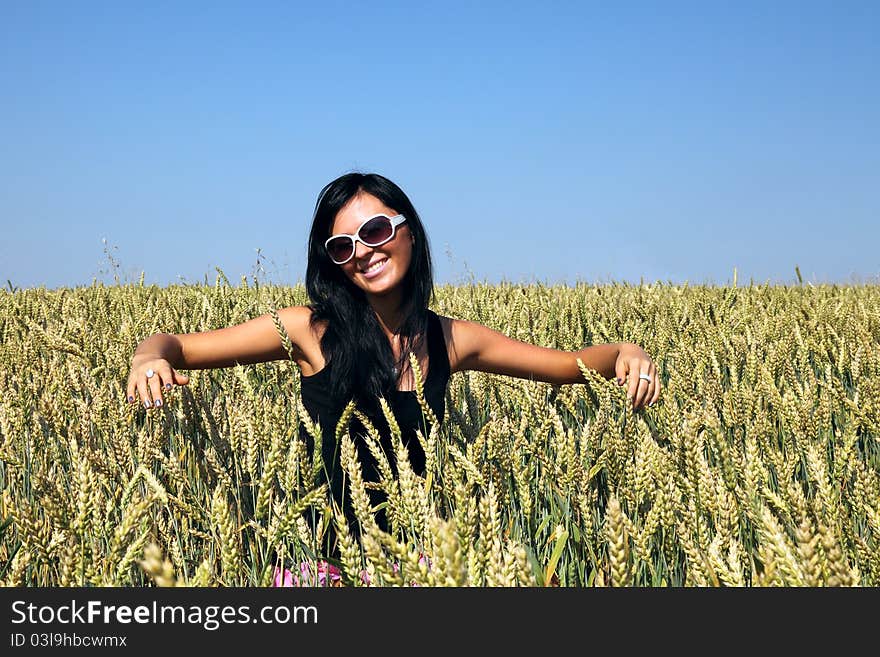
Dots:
(354, 346)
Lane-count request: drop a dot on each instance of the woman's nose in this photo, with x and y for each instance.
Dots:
(361, 249)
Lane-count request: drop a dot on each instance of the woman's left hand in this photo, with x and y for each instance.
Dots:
(634, 362)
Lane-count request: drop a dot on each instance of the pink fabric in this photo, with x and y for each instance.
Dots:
(327, 574)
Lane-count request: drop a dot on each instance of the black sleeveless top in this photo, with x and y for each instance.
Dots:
(325, 405)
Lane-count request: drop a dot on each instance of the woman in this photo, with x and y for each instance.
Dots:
(369, 277)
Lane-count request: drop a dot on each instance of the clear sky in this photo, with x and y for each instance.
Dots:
(541, 141)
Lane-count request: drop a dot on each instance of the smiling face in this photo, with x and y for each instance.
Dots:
(377, 270)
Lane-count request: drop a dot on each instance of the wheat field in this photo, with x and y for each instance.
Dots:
(758, 467)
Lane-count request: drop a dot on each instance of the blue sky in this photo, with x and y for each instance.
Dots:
(558, 142)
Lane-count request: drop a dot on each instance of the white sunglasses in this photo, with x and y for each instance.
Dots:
(375, 231)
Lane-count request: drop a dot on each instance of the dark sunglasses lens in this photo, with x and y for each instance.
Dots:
(376, 230)
(340, 248)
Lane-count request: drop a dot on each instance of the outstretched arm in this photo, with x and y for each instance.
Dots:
(478, 347)
(254, 341)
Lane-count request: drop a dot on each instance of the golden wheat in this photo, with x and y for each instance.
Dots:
(760, 466)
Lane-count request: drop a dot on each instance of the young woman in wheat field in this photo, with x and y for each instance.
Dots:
(369, 278)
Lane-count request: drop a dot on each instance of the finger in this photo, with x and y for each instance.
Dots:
(620, 369)
(155, 383)
(633, 381)
(645, 394)
(130, 390)
(178, 378)
(144, 392)
(167, 374)
(641, 397)
(641, 392)
(657, 387)
(649, 395)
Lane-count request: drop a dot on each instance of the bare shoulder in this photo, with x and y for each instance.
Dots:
(306, 338)
(459, 328)
(457, 334)
(297, 321)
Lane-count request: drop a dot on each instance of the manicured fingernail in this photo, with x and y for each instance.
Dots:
(619, 380)
(146, 404)
(650, 403)
(158, 403)
(130, 398)
(167, 386)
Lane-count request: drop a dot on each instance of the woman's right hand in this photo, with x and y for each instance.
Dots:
(150, 376)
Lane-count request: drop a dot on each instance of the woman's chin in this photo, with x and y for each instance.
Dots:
(381, 284)
(378, 288)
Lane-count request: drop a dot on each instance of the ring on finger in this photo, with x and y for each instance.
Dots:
(150, 374)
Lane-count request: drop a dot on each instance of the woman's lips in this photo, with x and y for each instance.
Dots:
(375, 271)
